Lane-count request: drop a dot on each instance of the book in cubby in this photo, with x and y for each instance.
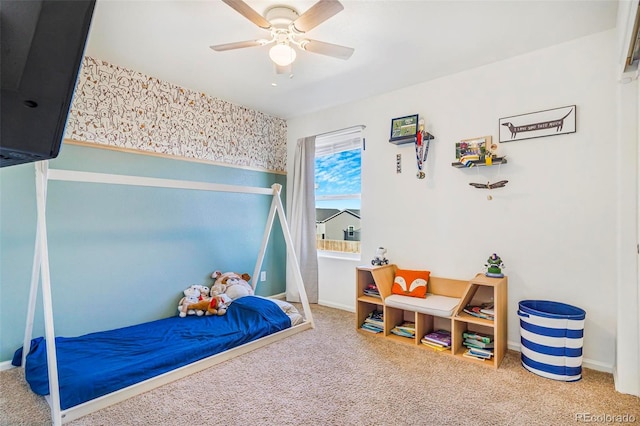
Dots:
(371, 290)
(482, 310)
(406, 329)
(479, 345)
(374, 322)
(438, 340)
(479, 354)
(477, 340)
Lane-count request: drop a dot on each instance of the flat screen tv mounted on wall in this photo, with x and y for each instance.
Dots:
(42, 44)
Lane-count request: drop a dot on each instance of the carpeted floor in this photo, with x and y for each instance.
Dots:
(333, 375)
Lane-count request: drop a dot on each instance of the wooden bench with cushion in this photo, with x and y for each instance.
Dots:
(442, 299)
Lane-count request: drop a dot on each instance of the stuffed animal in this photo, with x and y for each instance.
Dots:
(216, 305)
(219, 304)
(193, 294)
(232, 284)
(201, 307)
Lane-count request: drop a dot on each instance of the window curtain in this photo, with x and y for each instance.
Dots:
(302, 221)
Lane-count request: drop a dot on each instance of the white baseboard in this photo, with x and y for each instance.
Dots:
(586, 362)
(336, 305)
(6, 365)
(597, 365)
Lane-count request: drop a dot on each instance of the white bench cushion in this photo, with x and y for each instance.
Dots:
(433, 304)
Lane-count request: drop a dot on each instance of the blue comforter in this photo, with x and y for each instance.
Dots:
(96, 364)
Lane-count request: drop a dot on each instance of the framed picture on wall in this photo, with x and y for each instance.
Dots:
(404, 127)
(473, 149)
(550, 122)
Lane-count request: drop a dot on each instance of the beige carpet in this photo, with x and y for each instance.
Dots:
(335, 376)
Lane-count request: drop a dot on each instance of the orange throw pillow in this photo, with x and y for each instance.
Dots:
(410, 283)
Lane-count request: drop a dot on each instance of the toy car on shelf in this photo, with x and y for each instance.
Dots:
(379, 259)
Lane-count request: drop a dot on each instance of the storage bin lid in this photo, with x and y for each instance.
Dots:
(549, 309)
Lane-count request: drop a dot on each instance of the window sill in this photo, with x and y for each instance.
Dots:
(325, 254)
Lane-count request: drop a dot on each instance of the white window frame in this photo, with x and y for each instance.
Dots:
(333, 143)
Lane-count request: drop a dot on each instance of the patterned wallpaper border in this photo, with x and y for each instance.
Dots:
(127, 109)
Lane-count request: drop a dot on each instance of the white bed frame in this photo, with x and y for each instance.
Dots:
(40, 272)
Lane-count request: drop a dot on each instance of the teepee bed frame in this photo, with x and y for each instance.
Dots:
(41, 275)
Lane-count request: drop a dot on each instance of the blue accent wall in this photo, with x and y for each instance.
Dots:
(120, 255)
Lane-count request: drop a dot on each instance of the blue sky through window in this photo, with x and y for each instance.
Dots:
(338, 174)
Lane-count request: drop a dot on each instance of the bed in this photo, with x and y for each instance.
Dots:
(97, 364)
(82, 374)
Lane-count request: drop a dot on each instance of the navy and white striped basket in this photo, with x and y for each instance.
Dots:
(551, 337)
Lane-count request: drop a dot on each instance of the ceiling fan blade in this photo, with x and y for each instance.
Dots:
(316, 15)
(323, 48)
(236, 45)
(245, 10)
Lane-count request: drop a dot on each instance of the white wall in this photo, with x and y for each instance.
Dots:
(554, 224)
(336, 282)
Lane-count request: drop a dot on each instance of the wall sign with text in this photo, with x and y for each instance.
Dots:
(551, 122)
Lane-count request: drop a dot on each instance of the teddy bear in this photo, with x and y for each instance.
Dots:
(232, 284)
(193, 294)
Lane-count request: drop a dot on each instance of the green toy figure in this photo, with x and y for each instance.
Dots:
(493, 265)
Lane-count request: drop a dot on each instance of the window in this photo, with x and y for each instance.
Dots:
(337, 190)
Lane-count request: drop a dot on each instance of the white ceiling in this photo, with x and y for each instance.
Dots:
(397, 44)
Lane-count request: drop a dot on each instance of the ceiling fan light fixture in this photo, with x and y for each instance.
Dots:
(282, 54)
(286, 25)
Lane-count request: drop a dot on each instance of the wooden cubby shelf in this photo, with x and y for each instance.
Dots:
(480, 289)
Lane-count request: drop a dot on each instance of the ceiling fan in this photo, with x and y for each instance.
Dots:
(287, 28)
